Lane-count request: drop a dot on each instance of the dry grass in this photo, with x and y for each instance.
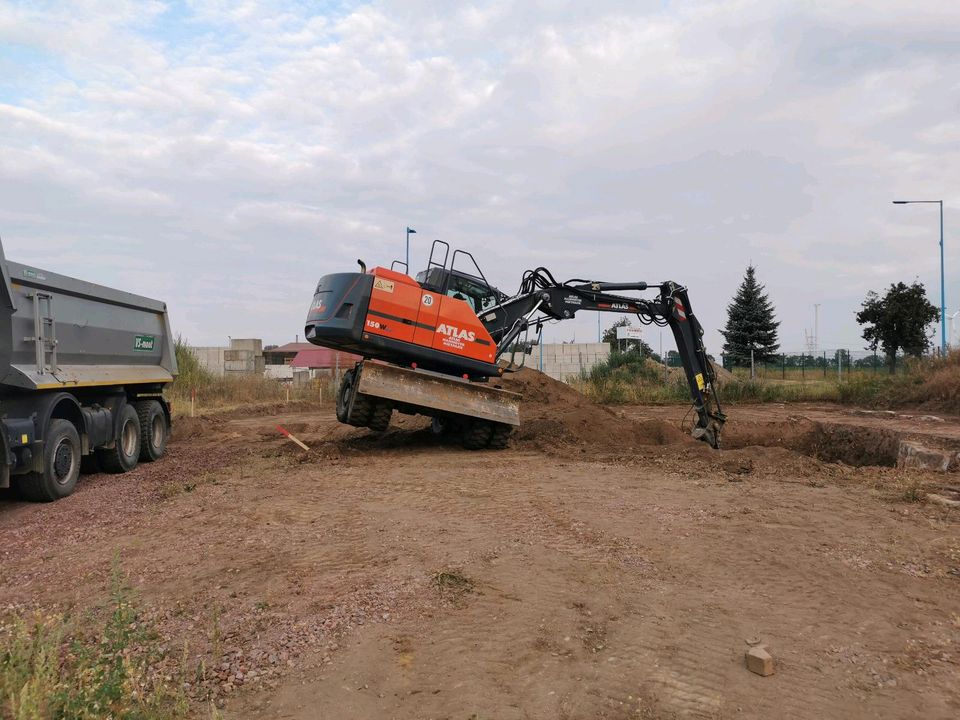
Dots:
(225, 393)
(52, 667)
(932, 383)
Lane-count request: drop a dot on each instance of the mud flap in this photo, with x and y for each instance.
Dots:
(435, 391)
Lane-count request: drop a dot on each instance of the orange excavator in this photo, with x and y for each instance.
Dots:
(431, 344)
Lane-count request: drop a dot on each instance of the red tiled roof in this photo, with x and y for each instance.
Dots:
(319, 357)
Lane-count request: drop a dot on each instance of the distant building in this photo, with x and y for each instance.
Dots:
(308, 356)
(244, 356)
(324, 359)
(283, 354)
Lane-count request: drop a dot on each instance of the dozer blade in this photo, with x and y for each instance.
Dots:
(434, 391)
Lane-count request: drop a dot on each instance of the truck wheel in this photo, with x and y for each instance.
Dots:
(153, 430)
(61, 464)
(477, 434)
(125, 452)
(380, 417)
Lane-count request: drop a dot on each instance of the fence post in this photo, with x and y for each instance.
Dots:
(783, 366)
(824, 364)
(803, 374)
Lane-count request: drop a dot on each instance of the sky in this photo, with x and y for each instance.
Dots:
(222, 156)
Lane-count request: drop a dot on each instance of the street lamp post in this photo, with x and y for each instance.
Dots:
(943, 291)
(410, 231)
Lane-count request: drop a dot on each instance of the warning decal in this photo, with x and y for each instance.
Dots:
(385, 285)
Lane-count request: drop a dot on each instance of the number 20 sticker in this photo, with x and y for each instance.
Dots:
(428, 300)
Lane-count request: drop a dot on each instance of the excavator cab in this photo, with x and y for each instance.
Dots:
(460, 285)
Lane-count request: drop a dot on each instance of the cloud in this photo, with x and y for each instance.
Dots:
(224, 155)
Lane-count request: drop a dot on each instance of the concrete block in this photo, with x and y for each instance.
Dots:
(913, 455)
(759, 661)
(241, 366)
(254, 345)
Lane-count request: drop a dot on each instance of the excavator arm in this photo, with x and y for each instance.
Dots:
(542, 299)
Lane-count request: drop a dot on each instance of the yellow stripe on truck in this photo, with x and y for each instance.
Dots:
(101, 383)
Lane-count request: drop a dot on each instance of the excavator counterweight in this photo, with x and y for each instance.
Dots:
(431, 344)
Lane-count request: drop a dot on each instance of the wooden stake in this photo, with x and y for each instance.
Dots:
(286, 433)
(193, 400)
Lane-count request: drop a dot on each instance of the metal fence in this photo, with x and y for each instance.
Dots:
(803, 365)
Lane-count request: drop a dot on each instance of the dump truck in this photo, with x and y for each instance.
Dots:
(431, 344)
(82, 373)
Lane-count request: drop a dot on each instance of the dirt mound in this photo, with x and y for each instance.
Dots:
(721, 374)
(554, 415)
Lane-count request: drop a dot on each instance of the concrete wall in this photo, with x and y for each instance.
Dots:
(211, 358)
(565, 361)
(243, 357)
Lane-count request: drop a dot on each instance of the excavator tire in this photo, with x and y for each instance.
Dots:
(477, 434)
(362, 410)
(499, 436)
(380, 416)
(343, 396)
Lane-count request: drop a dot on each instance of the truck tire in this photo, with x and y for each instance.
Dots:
(61, 464)
(125, 453)
(154, 430)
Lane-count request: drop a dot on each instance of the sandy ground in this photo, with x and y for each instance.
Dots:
(401, 577)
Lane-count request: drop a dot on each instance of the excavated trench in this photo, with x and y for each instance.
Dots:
(848, 444)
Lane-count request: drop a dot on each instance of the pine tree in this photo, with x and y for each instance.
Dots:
(750, 323)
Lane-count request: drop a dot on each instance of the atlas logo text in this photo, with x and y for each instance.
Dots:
(455, 332)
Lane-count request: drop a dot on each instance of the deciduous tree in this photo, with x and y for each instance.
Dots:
(898, 320)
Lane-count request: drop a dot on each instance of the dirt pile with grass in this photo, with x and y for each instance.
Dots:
(937, 389)
(555, 415)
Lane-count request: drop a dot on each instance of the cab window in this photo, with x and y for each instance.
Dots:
(479, 296)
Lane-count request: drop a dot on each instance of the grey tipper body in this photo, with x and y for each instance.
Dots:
(79, 354)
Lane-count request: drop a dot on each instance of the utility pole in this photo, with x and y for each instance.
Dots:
(816, 326)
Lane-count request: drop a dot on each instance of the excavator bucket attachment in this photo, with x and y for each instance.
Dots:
(443, 393)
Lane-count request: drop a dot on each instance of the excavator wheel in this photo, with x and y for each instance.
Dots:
(343, 396)
(500, 436)
(363, 405)
(362, 411)
(477, 434)
(380, 416)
